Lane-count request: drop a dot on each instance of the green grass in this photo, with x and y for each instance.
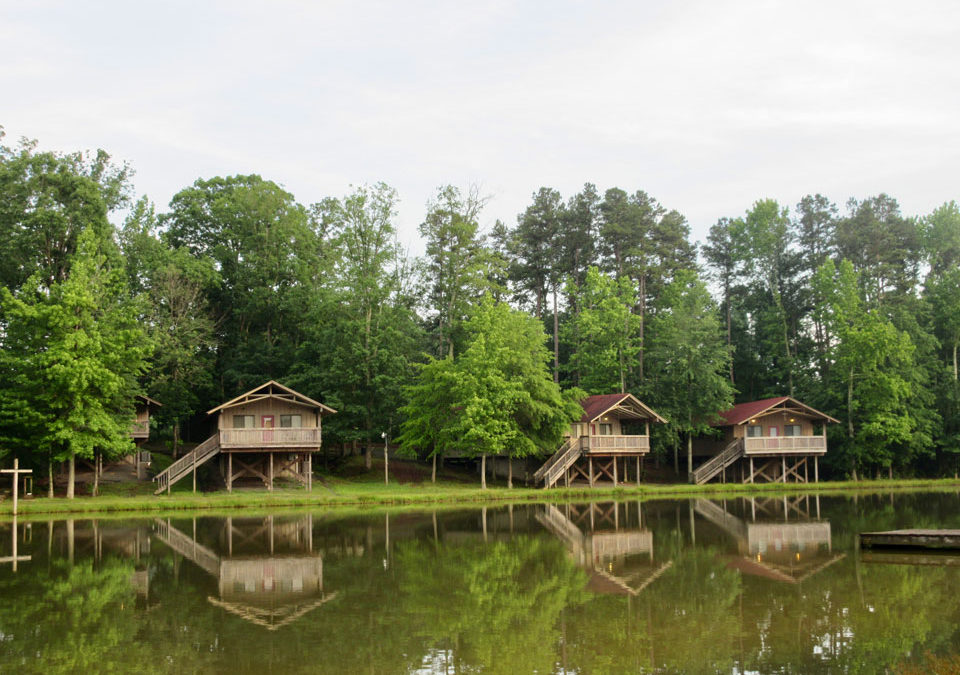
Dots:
(355, 487)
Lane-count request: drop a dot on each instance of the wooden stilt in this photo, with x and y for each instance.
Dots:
(783, 468)
(229, 472)
(638, 469)
(816, 476)
(614, 472)
(751, 469)
(270, 474)
(590, 464)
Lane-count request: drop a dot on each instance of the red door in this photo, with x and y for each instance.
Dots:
(266, 421)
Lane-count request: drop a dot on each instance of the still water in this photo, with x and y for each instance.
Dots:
(736, 586)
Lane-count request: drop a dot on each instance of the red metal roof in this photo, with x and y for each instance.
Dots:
(744, 411)
(594, 406)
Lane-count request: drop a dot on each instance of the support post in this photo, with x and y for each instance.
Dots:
(751, 469)
(229, 472)
(783, 468)
(816, 470)
(614, 471)
(270, 474)
(194, 473)
(638, 470)
(590, 465)
(309, 472)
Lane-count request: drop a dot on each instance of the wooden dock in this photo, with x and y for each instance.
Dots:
(912, 539)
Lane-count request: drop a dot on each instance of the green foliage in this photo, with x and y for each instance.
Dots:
(496, 398)
(607, 330)
(70, 361)
(688, 360)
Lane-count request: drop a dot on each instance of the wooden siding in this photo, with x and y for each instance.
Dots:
(270, 406)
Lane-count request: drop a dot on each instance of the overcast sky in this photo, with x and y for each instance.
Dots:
(707, 106)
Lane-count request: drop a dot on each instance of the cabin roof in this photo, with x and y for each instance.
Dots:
(149, 401)
(273, 389)
(744, 412)
(595, 406)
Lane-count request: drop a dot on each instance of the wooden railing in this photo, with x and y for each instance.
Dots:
(187, 464)
(760, 445)
(140, 429)
(554, 468)
(615, 443)
(270, 438)
(715, 465)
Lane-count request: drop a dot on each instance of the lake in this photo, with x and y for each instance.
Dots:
(765, 585)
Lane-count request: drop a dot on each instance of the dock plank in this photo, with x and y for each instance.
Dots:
(915, 538)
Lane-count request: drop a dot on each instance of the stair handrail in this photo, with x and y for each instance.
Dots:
(186, 463)
(554, 458)
(569, 456)
(714, 465)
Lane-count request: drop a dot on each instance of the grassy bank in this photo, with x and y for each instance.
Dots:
(368, 493)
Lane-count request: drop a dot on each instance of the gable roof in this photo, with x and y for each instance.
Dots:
(271, 387)
(595, 406)
(744, 412)
(149, 401)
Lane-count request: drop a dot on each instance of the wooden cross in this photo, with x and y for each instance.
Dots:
(15, 558)
(16, 471)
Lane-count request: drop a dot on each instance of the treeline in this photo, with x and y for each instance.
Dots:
(480, 345)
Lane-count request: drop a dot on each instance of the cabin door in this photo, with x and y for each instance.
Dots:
(266, 421)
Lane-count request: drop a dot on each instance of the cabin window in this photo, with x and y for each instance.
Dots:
(294, 421)
(754, 431)
(606, 429)
(791, 430)
(244, 421)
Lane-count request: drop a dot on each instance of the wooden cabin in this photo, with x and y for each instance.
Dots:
(606, 443)
(269, 432)
(140, 430)
(772, 440)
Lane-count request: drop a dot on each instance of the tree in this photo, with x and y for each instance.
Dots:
(457, 262)
(71, 358)
(689, 362)
(496, 398)
(361, 334)
(869, 360)
(607, 331)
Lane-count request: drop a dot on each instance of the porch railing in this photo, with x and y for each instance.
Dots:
(269, 438)
(759, 445)
(615, 443)
(140, 429)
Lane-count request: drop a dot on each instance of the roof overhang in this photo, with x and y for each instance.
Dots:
(274, 390)
(149, 401)
(785, 404)
(629, 407)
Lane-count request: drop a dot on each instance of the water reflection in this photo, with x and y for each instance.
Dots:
(787, 546)
(609, 541)
(266, 590)
(667, 586)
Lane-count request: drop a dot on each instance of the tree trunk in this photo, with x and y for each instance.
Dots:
(72, 476)
(689, 453)
(96, 475)
(509, 472)
(50, 479)
(483, 471)
(726, 293)
(433, 474)
(176, 437)
(556, 338)
(676, 459)
(954, 361)
(643, 313)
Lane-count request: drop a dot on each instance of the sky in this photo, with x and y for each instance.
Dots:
(706, 106)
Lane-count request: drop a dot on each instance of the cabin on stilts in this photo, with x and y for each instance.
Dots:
(140, 432)
(267, 433)
(773, 440)
(607, 443)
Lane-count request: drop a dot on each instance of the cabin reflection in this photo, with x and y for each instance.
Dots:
(266, 569)
(781, 539)
(609, 541)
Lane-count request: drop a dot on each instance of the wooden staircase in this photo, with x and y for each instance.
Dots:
(715, 465)
(187, 464)
(557, 465)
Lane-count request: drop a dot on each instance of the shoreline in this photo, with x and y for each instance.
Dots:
(349, 496)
